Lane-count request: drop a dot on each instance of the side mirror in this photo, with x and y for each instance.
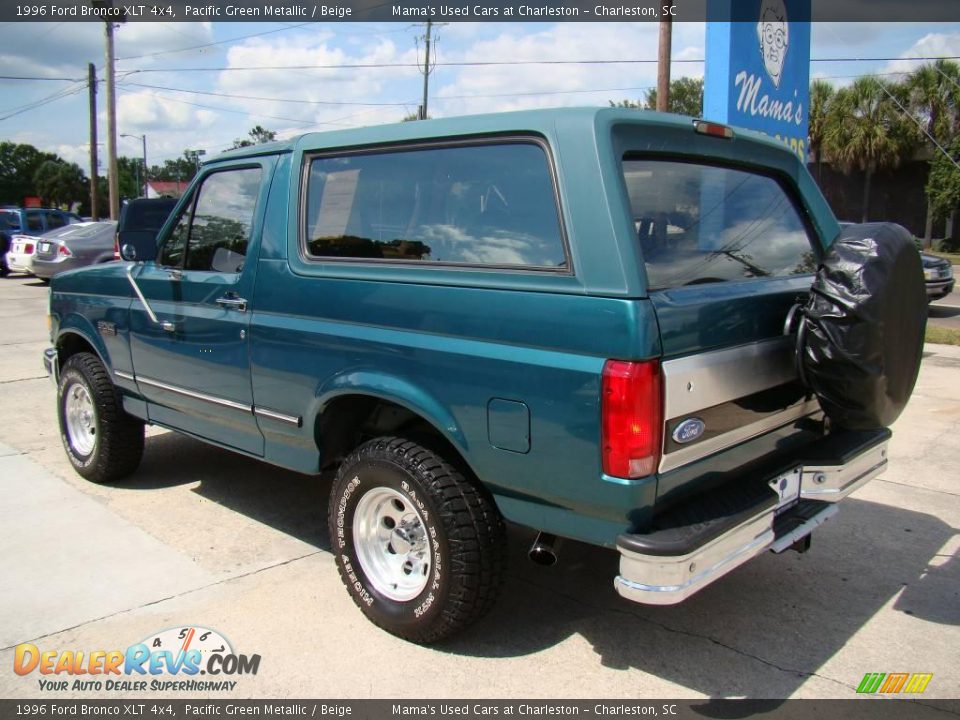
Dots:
(137, 245)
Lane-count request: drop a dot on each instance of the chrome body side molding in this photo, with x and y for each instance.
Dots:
(294, 420)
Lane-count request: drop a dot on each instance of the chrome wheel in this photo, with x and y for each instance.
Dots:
(392, 545)
(81, 419)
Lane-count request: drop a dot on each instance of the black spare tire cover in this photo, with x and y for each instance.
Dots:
(860, 338)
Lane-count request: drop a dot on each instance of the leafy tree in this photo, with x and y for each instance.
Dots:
(181, 168)
(60, 183)
(258, 136)
(821, 95)
(943, 184)
(865, 130)
(18, 166)
(934, 97)
(130, 177)
(686, 98)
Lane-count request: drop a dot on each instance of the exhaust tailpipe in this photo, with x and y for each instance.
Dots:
(543, 551)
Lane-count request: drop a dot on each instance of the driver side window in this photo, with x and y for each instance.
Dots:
(213, 232)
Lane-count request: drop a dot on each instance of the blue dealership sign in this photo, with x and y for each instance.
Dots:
(757, 72)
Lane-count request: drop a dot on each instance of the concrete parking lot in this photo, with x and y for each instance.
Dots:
(203, 537)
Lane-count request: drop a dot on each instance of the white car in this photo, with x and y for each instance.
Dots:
(20, 255)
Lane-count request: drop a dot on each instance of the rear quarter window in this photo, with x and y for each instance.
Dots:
(10, 221)
(479, 204)
(701, 224)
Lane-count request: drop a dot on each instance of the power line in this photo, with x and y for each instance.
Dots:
(212, 44)
(300, 101)
(268, 99)
(499, 63)
(67, 92)
(27, 77)
(220, 109)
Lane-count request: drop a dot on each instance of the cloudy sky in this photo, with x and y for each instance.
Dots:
(190, 85)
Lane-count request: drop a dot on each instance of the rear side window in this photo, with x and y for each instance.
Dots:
(491, 204)
(34, 221)
(702, 224)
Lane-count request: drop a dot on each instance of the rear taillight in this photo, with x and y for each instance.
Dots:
(65, 251)
(630, 418)
(28, 249)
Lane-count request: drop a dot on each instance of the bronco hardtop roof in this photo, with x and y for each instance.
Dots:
(541, 121)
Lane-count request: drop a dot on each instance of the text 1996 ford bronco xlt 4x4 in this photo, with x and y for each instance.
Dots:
(575, 320)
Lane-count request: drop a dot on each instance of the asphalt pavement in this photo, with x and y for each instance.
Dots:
(202, 537)
(946, 311)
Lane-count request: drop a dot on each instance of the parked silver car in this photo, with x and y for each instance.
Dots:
(72, 247)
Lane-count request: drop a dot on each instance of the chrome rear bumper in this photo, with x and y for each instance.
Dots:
(663, 568)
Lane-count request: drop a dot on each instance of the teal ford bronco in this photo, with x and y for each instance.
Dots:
(575, 320)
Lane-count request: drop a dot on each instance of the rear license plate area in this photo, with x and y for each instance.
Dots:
(787, 488)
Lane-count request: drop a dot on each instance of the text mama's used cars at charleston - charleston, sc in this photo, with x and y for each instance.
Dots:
(595, 323)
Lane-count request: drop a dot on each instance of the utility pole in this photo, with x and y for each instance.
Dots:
(663, 65)
(112, 178)
(426, 73)
(92, 88)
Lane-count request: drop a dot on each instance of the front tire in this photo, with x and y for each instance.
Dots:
(420, 548)
(103, 442)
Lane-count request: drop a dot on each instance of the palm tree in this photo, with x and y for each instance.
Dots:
(821, 94)
(866, 129)
(934, 96)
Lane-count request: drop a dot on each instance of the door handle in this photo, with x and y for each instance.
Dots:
(231, 301)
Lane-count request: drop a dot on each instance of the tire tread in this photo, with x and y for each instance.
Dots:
(475, 531)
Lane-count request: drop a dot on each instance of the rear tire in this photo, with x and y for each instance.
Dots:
(421, 549)
(103, 442)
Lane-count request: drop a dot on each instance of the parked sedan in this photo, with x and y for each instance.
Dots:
(72, 247)
(938, 275)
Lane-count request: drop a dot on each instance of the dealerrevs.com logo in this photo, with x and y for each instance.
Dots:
(894, 683)
(169, 660)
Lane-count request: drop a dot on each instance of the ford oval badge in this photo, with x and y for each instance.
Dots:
(689, 430)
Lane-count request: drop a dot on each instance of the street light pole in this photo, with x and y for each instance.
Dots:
(143, 139)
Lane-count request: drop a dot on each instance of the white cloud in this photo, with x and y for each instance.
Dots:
(317, 85)
(932, 44)
(138, 112)
(563, 41)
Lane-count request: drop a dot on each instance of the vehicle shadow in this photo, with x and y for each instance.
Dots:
(760, 632)
(941, 312)
(290, 502)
